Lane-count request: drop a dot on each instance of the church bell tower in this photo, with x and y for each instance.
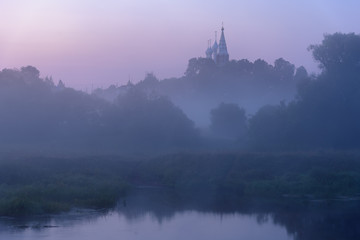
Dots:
(218, 52)
(223, 55)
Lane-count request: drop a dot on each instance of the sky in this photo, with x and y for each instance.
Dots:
(92, 43)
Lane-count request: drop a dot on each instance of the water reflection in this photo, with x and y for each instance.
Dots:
(301, 219)
(162, 214)
(44, 222)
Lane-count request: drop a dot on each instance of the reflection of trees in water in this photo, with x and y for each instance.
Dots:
(42, 222)
(322, 221)
(158, 203)
(303, 220)
(262, 218)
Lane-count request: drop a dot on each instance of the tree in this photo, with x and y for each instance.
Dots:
(262, 70)
(151, 122)
(284, 69)
(150, 81)
(301, 74)
(228, 120)
(199, 66)
(338, 52)
(326, 113)
(268, 128)
(30, 71)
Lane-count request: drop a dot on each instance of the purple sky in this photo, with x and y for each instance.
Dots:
(97, 43)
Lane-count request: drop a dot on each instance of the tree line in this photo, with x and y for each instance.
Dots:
(42, 116)
(38, 115)
(326, 111)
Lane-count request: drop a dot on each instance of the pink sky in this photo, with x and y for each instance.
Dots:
(97, 43)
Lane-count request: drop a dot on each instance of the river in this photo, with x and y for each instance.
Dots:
(158, 216)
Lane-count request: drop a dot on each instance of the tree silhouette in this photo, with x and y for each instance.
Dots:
(228, 120)
(338, 52)
(327, 110)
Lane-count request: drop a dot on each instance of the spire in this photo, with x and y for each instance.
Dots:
(222, 44)
(209, 51)
(223, 55)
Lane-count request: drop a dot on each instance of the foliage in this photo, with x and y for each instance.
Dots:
(326, 112)
(338, 52)
(46, 185)
(50, 185)
(41, 117)
(228, 120)
(234, 176)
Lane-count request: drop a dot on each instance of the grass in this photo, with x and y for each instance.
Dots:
(31, 186)
(48, 185)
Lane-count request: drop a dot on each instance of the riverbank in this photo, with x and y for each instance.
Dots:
(329, 219)
(31, 186)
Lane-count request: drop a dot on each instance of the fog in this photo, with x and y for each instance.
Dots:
(241, 105)
(205, 85)
(39, 115)
(226, 136)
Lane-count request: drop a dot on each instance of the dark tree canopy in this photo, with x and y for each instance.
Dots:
(326, 113)
(199, 66)
(205, 85)
(301, 74)
(228, 120)
(338, 51)
(149, 81)
(284, 69)
(38, 116)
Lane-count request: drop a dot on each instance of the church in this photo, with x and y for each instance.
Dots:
(218, 52)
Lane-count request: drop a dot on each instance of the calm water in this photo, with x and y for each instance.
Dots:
(158, 216)
(184, 225)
